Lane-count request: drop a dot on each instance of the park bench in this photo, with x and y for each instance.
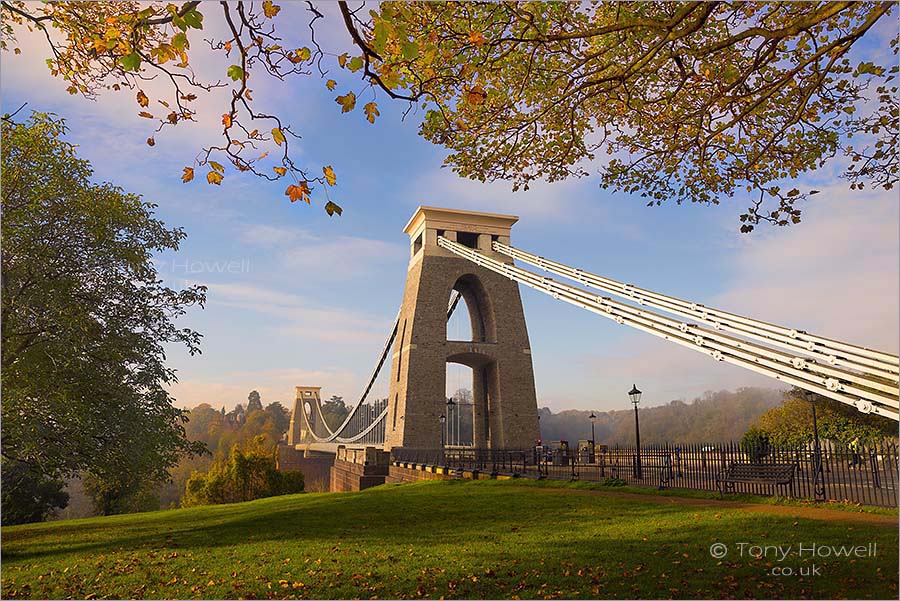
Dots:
(778, 474)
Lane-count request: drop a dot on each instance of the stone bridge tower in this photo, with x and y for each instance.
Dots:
(297, 432)
(505, 405)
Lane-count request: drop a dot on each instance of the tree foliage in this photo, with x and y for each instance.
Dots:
(29, 495)
(247, 474)
(690, 101)
(85, 317)
(791, 423)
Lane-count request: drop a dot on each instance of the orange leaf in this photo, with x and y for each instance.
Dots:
(226, 120)
(279, 170)
(476, 37)
(188, 174)
(142, 98)
(145, 115)
(214, 177)
(476, 96)
(151, 142)
(296, 193)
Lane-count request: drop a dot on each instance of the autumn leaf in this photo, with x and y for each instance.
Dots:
(278, 136)
(296, 193)
(347, 102)
(475, 96)
(151, 142)
(217, 166)
(279, 170)
(142, 98)
(355, 64)
(476, 37)
(235, 72)
(371, 110)
(331, 208)
(330, 84)
(329, 175)
(270, 9)
(342, 59)
(172, 117)
(214, 178)
(226, 120)
(145, 115)
(188, 174)
(300, 55)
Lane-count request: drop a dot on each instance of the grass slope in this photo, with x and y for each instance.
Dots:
(434, 539)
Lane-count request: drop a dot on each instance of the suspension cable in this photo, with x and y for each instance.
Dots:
(833, 352)
(852, 389)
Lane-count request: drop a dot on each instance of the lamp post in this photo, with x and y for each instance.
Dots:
(635, 395)
(818, 476)
(443, 420)
(592, 417)
(450, 405)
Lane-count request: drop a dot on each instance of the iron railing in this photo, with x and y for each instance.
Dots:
(867, 475)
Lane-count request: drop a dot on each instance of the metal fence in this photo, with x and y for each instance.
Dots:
(867, 475)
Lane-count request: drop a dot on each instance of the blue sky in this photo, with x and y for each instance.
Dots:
(308, 299)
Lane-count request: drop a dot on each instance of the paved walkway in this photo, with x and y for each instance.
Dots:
(799, 511)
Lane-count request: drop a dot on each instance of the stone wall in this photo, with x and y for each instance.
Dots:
(316, 467)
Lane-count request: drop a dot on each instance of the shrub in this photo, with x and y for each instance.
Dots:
(244, 476)
(755, 443)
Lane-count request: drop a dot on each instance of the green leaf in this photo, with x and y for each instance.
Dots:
(235, 72)
(193, 18)
(410, 50)
(217, 166)
(278, 136)
(131, 62)
(355, 64)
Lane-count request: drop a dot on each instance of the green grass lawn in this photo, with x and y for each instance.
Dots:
(442, 539)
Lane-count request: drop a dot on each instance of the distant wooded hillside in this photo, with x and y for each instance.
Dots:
(714, 417)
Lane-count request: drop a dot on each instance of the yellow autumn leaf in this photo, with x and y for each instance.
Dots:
(214, 178)
(270, 9)
(329, 175)
(142, 98)
(279, 170)
(188, 174)
(145, 115)
(330, 84)
(371, 110)
(347, 102)
(278, 136)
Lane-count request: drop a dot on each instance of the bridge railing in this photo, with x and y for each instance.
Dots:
(866, 474)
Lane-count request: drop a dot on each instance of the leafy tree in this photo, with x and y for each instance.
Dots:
(280, 416)
(694, 101)
(246, 475)
(254, 403)
(29, 495)
(335, 411)
(791, 423)
(85, 317)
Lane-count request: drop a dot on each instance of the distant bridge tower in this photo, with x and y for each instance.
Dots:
(305, 400)
(505, 405)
